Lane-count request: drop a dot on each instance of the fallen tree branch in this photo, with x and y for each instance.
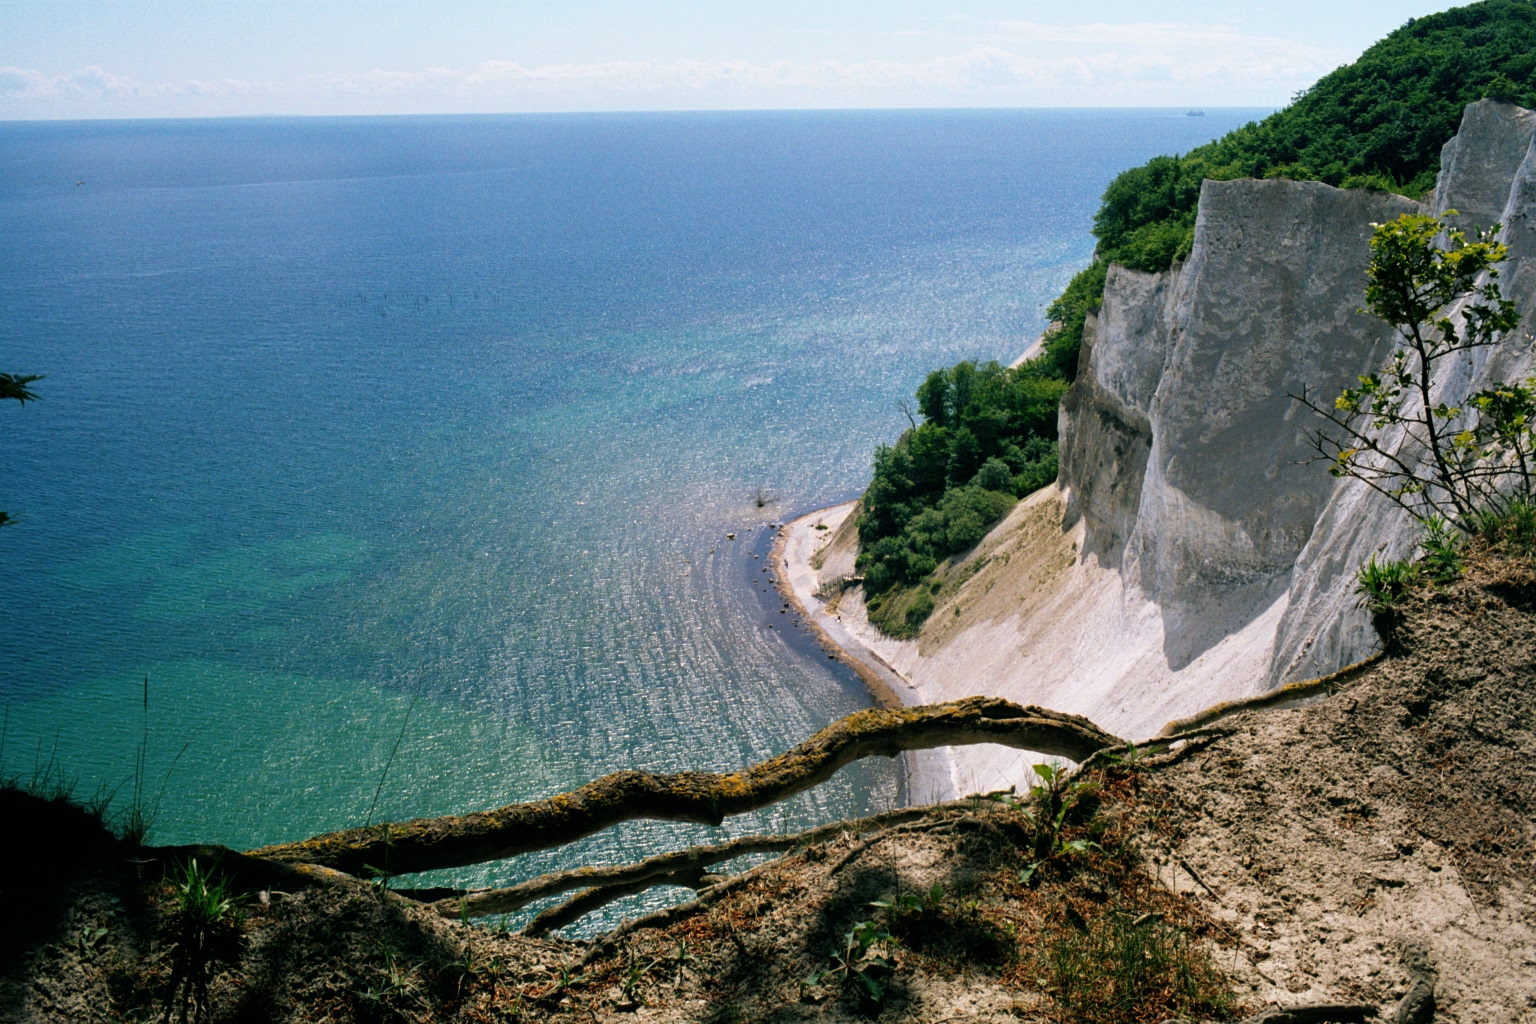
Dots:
(430, 843)
(654, 869)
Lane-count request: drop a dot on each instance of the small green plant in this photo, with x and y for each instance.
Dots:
(906, 904)
(635, 976)
(1440, 554)
(1131, 758)
(399, 983)
(565, 979)
(1055, 802)
(465, 971)
(381, 878)
(908, 908)
(1382, 585)
(203, 902)
(206, 923)
(87, 938)
(863, 962)
(680, 958)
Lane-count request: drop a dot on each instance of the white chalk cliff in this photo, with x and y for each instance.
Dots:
(1187, 555)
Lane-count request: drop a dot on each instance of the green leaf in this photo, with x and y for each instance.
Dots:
(872, 988)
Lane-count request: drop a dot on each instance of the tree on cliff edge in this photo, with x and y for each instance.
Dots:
(15, 386)
(1436, 461)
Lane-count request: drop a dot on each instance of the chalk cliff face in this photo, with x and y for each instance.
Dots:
(1197, 557)
(1488, 175)
(1201, 359)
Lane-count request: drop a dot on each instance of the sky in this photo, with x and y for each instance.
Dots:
(198, 58)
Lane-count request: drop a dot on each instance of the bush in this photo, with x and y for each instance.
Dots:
(1432, 461)
(1068, 314)
(901, 611)
(918, 611)
(969, 513)
(1034, 466)
(1510, 530)
(994, 475)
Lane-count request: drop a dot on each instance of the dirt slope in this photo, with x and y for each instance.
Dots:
(1391, 820)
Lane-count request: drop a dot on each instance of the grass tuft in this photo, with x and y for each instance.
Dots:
(207, 932)
(1510, 530)
(1120, 967)
(1382, 585)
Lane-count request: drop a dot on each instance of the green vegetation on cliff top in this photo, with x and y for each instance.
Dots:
(988, 436)
(1376, 123)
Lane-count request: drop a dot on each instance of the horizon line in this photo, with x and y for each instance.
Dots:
(1186, 109)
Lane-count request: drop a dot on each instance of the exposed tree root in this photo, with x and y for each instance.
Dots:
(584, 903)
(1315, 1013)
(1158, 752)
(430, 843)
(661, 918)
(665, 917)
(244, 871)
(659, 869)
(862, 846)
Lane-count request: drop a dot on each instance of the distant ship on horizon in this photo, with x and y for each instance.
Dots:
(1194, 113)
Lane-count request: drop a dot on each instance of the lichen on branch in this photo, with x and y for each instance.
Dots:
(426, 844)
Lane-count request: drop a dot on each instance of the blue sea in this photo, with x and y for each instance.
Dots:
(424, 436)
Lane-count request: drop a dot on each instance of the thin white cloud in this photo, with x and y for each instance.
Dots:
(1017, 63)
(89, 82)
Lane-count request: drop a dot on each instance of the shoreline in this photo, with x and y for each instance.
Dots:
(790, 565)
(926, 776)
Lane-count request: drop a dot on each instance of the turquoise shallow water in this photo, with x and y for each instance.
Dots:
(350, 417)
